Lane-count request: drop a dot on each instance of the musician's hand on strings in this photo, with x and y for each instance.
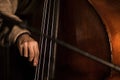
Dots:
(28, 47)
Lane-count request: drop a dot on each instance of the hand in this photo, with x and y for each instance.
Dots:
(28, 47)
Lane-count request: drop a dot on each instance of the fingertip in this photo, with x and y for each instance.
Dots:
(35, 63)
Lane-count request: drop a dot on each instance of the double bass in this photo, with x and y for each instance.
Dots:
(86, 24)
(80, 25)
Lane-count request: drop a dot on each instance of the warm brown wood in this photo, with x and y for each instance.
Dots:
(82, 27)
(109, 10)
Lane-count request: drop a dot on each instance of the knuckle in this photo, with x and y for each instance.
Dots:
(25, 43)
(34, 43)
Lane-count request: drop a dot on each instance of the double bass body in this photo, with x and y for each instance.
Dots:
(81, 26)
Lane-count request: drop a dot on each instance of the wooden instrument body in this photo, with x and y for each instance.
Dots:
(81, 25)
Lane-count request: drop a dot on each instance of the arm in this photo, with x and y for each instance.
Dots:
(10, 34)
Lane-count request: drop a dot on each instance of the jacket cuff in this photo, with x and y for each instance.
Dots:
(15, 33)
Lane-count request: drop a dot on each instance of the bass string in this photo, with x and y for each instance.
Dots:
(50, 30)
(37, 72)
(53, 33)
(55, 24)
(48, 43)
(51, 42)
(46, 48)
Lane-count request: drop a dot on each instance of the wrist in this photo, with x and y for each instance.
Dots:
(21, 36)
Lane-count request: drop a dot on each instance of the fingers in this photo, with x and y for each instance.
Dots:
(30, 50)
(20, 50)
(25, 49)
(34, 53)
(36, 56)
(28, 47)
